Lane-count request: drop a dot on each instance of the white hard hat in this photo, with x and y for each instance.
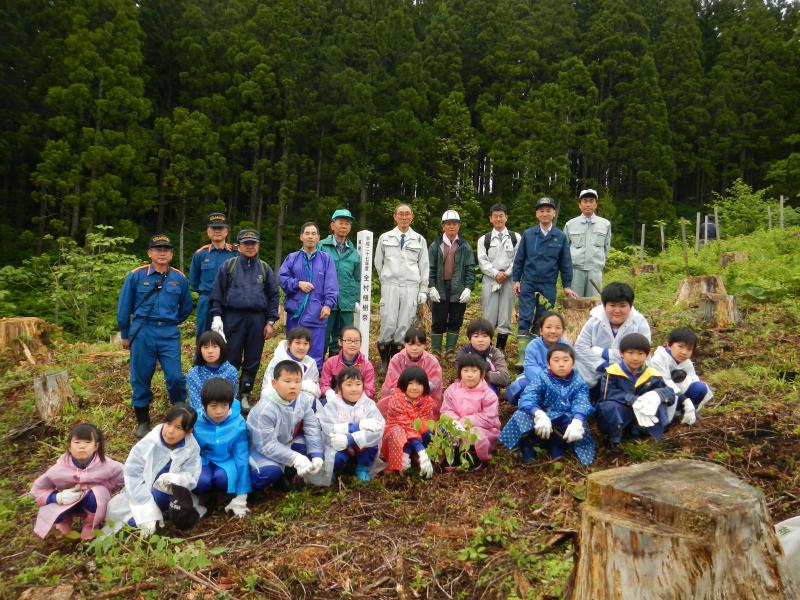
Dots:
(450, 215)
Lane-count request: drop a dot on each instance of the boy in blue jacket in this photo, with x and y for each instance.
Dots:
(634, 396)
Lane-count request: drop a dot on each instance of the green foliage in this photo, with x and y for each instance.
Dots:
(742, 211)
(449, 442)
(495, 529)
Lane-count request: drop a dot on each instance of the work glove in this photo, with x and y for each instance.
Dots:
(165, 482)
(301, 464)
(574, 431)
(645, 408)
(238, 506)
(216, 325)
(339, 441)
(341, 428)
(310, 387)
(368, 424)
(425, 465)
(316, 465)
(677, 375)
(147, 529)
(542, 425)
(496, 286)
(69, 496)
(422, 297)
(464, 297)
(330, 395)
(406, 461)
(689, 412)
(433, 294)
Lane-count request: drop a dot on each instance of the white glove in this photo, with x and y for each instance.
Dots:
(357, 308)
(311, 387)
(368, 424)
(597, 351)
(339, 441)
(69, 496)
(301, 464)
(238, 506)
(330, 395)
(165, 482)
(316, 465)
(422, 297)
(464, 297)
(147, 529)
(645, 408)
(216, 325)
(574, 431)
(433, 294)
(689, 413)
(425, 465)
(496, 286)
(406, 461)
(542, 425)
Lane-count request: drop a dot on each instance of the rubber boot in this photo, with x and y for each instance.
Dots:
(245, 389)
(383, 351)
(143, 419)
(436, 344)
(523, 339)
(450, 346)
(502, 338)
(244, 400)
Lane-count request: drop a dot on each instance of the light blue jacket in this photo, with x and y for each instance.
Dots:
(225, 444)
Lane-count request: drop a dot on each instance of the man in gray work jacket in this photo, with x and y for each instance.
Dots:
(589, 239)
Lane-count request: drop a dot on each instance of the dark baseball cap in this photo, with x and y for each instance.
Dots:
(544, 202)
(160, 241)
(217, 220)
(248, 235)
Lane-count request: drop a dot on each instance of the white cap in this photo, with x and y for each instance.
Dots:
(450, 215)
(588, 193)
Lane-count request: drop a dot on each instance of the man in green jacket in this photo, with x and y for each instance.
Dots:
(348, 271)
(451, 278)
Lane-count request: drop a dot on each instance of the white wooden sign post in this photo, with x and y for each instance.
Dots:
(362, 316)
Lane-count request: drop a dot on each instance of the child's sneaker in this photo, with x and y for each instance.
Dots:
(616, 439)
(528, 453)
(362, 473)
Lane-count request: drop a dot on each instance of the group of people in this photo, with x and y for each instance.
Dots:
(316, 418)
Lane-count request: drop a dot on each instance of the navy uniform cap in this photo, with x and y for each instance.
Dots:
(160, 241)
(248, 235)
(542, 202)
(217, 220)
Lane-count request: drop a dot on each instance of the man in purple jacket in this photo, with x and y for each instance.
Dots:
(308, 277)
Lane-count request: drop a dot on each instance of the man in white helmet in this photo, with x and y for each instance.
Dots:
(402, 265)
(451, 279)
(589, 238)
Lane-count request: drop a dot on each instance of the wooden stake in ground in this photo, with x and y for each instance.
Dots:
(685, 245)
(641, 246)
(690, 289)
(364, 313)
(781, 209)
(719, 310)
(769, 217)
(663, 243)
(716, 223)
(697, 235)
(677, 529)
(51, 391)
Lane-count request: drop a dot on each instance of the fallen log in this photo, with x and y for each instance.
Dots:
(576, 312)
(51, 391)
(719, 310)
(677, 529)
(690, 289)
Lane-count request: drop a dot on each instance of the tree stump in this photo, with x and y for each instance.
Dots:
(25, 337)
(644, 268)
(576, 312)
(51, 391)
(719, 309)
(732, 257)
(677, 529)
(690, 289)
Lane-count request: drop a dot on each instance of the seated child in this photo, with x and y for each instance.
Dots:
(349, 356)
(410, 401)
(222, 436)
(674, 362)
(284, 433)
(470, 397)
(162, 465)
(551, 330)
(295, 348)
(352, 426)
(597, 345)
(480, 332)
(79, 484)
(552, 411)
(634, 396)
(211, 361)
(413, 354)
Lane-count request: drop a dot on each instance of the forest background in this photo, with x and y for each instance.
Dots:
(146, 115)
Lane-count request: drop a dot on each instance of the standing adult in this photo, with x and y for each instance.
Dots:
(542, 254)
(153, 301)
(244, 304)
(496, 252)
(308, 278)
(451, 279)
(401, 261)
(589, 238)
(206, 261)
(348, 271)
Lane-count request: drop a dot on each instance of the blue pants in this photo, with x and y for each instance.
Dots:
(203, 319)
(87, 503)
(365, 458)
(245, 333)
(317, 350)
(337, 320)
(160, 341)
(515, 389)
(212, 477)
(519, 432)
(261, 477)
(696, 392)
(161, 499)
(614, 419)
(417, 445)
(531, 303)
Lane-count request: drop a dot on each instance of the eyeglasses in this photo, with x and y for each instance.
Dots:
(351, 341)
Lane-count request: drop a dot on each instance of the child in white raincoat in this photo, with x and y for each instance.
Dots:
(295, 348)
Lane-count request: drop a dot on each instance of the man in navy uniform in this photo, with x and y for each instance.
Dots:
(244, 306)
(154, 299)
(205, 263)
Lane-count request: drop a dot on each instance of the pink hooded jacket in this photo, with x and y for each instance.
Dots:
(480, 406)
(335, 364)
(396, 367)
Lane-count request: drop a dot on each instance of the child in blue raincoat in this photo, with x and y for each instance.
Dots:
(210, 362)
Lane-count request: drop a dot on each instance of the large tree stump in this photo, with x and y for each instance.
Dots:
(719, 309)
(576, 312)
(677, 529)
(689, 289)
(51, 391)
(732, 257)
(25, 337)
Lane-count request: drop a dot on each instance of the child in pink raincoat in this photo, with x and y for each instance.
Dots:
(413, 355)
(349, 356)
(470, 397)
(79, 484)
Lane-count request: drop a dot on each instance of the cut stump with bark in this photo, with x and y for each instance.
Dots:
(690, 289)
(25, 336)
(719, 310)
(732, 257)
(51, 391)
(677, 529)
(644, 268)
(576, 312)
